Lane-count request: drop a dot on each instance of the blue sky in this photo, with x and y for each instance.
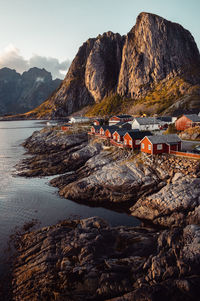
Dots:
(48, 33)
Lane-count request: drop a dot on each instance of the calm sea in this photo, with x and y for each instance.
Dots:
(24, 199)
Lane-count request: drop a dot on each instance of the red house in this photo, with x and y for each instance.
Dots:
(159, 144)
(109, 131)
(119, 118)
(102, 130)
(132, 138)
(65, 127)
(187, 121)
(95, 129)
(118, 135)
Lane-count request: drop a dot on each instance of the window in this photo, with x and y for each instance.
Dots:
(137, 142)
(130, 142)
(159, 146)
(109, 134)
(149, 146)
(118, 139)
(125, 142)
(142, 145)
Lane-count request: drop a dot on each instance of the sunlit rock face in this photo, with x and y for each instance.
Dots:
(154, 50)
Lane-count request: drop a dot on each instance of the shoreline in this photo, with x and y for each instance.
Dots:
(88, 259)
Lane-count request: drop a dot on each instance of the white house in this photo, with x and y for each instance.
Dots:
(146, 123)
(79, 119)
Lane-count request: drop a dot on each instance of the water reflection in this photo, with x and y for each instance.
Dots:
(24, 199)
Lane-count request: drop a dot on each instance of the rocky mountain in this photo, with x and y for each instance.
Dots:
(21, 93)
(156, 65)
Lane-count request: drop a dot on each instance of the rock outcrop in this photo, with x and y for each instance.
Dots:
(155, 51)
(89, 260)
(158, 50)
(89, 172)
(176, 204)
(21, 93)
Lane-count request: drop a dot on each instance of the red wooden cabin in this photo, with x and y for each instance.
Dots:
(132, 138)
(159, 144)
(187, 121)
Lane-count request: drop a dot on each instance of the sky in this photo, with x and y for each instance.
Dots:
(47, 33)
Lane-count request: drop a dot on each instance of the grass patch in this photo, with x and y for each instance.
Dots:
(110, 105)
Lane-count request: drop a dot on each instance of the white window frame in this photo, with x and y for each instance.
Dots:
(159, 146)
(149, 147)
(130, 142)
(125, 141)
(118, 139)
(142, 145)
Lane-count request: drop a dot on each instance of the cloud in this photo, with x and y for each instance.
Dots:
(50, 64)
(11, 57)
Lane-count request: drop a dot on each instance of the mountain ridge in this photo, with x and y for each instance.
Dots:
(156, 53)
(20, 93)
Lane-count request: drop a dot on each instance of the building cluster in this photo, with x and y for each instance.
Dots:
(124, 131)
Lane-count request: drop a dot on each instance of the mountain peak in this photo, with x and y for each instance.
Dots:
(154, 52)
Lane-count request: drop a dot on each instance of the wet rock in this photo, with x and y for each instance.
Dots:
(174, 205)
(89, 260)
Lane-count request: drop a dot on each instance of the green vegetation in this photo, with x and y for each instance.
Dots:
(157, 101)
(171, 129)
(110, 105)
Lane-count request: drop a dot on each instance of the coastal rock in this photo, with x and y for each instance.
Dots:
(176, 204)
(114, 182)
(89, 260)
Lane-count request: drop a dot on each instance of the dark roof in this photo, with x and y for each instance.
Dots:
(121, 132)
(168, 139)
(147, 120)
(105, 127)
(165, 118)
(111, 129)
(138, 134)
(97, 127)
(123, 124)
(124, 116)
(193, 117)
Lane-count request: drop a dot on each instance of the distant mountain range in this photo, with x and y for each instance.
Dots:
(22, 93)
(155, 68)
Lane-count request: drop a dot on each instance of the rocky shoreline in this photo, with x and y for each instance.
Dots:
(90, 260)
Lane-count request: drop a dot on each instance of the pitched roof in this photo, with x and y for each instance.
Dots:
(97, 127)
(193, 117)
(124, 116)
(138, 134)
(147, 120)
(165, 118)
(105, 127)
(121, 132)
(111, 129)
(168, 139)
(123, 124)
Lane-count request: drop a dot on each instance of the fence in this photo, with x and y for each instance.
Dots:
(115, 143)
(187, 155)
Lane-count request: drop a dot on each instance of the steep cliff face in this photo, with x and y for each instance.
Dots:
(103, 65)
(154, 53)
(20, 93)
(156, 49)
(93, 74)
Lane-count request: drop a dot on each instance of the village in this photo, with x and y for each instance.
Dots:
(149, 135)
